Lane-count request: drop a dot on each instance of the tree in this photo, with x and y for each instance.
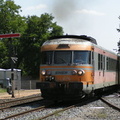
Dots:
(4, 61)
(56, 30)
(10, 19)
(10, 22)
(34, 31)
(39, 29)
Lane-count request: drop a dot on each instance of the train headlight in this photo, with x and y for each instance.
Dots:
(43, 72)
(74, 72)
(81, 72)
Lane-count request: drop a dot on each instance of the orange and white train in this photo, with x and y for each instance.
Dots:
(74, 66)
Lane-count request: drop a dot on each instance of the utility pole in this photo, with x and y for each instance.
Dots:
(12, 66)
(118, 29)
(13, 59)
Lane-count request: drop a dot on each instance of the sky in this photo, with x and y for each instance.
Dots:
(95, 18)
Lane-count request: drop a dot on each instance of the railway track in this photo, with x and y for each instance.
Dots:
(25, 112)
(53, 109)
(110, 104)
(13, 103)
(22, 113)
(44, 107)
(57, 111)
(80, 103)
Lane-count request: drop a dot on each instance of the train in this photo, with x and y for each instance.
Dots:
(75, 66)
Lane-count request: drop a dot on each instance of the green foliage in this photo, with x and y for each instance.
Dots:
(56, 30)
(34, 31)
(2, 90)
(10, 20)
(3, 55)
(39, 29)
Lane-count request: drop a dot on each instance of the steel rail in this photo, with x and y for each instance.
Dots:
(22, 101)
(111, 105)
(58, 111)
(82, 102)
(17, 100)
(22, 113)
(25, 112)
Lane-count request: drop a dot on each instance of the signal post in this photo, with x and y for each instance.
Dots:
(13, 59)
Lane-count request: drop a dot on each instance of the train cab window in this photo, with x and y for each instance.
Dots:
(82, 57)
(62, 57)
(47, 57)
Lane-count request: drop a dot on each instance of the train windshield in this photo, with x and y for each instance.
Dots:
(62, 57)
(82, 57)
(66, 57)
(47, 57)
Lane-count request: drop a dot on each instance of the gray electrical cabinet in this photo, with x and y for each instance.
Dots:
(6, 73)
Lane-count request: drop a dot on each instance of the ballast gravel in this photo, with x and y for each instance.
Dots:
(93, 111)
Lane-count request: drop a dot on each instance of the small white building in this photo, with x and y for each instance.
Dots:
(6, 73)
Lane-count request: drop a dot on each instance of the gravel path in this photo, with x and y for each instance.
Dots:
(19, 94)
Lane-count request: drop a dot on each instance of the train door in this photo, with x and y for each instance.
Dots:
(101, 67)
(93, 63)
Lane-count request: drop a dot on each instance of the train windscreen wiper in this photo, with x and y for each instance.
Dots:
(64, 61)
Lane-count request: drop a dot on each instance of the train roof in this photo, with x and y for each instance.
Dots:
(84, 37)
(74, 39)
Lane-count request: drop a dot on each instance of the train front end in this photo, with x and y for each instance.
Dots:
(66, 71)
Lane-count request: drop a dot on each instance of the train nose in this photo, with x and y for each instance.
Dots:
(76, 85)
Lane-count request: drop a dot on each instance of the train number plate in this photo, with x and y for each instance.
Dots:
(61, 72)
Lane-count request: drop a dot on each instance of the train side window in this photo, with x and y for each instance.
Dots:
(112, 64)
(107, 67)
(103, 62)
(99, 62)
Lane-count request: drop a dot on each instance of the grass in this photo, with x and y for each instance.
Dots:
(2, 90)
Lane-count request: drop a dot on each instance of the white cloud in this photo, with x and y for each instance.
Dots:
(37, 7)
(91, 12)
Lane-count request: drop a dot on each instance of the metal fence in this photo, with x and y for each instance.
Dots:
(28, 84)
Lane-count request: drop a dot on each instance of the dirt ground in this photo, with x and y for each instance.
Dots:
(19, 93)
